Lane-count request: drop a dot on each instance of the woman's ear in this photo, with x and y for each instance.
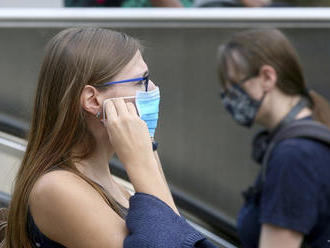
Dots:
(91, 100)
(269, 76)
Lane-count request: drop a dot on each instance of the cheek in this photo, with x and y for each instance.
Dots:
(121, 91)
(254, 90)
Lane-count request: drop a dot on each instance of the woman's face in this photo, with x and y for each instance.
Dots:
(251, 84)
(243, 96)
(136, 68)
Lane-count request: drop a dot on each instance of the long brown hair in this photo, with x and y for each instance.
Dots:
(74, 58)
(246, 52)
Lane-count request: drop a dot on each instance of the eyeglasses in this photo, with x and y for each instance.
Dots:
(238, 83)
(141, 80)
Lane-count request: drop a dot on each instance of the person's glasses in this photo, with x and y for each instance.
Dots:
(142, 80)
(238, 83)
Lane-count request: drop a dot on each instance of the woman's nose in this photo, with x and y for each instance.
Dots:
(151, 85)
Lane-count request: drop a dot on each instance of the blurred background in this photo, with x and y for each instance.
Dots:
(205, 155)
(161, 3)
(32, 3)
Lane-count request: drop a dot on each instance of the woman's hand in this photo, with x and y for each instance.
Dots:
(128, 133)
(130, 138)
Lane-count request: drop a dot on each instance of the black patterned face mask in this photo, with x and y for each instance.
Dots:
(240, 105)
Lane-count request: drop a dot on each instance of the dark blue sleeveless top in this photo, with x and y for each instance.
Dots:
(37, 238)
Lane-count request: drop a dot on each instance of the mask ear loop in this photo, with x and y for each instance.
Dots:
(260, 102)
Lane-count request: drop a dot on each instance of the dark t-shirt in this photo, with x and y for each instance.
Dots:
(295, 195)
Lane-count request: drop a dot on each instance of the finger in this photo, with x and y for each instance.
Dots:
(120, 106)
(131, 108)
(110, 110)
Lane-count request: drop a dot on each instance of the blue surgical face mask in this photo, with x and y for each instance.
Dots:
(147, 104)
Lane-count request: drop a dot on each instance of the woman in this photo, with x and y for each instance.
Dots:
(263, 83)
(65, 195)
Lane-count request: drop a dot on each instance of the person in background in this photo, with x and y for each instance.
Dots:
(261, 3)
(262, 82)
(231, 3)
(305, 3)
(128, 3)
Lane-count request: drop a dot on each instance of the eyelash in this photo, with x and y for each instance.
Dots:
(140, 82)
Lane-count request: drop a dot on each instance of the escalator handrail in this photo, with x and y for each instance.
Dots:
(13, 126)
(4, 199)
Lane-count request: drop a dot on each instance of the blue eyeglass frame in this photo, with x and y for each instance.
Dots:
(127, 81)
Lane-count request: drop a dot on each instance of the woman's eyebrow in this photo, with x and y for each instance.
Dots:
(146, 73)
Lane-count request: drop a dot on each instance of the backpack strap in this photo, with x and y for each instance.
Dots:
(296, 129)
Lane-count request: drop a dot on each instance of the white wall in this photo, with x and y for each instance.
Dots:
(31, 3)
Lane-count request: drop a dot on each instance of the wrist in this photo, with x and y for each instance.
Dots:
(145, 161)
(140, 169)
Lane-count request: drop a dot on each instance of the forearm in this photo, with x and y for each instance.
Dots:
(130, 138)
(160, 168)
(273, 236)
(147, 178)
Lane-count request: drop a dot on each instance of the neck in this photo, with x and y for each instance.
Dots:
(277, 107)
(96, 166)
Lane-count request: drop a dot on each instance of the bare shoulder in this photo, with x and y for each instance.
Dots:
(55, 184)
(65, 208)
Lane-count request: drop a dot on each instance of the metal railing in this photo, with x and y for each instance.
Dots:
(158, 17)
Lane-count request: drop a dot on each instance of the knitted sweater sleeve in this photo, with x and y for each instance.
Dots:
(152, 223)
